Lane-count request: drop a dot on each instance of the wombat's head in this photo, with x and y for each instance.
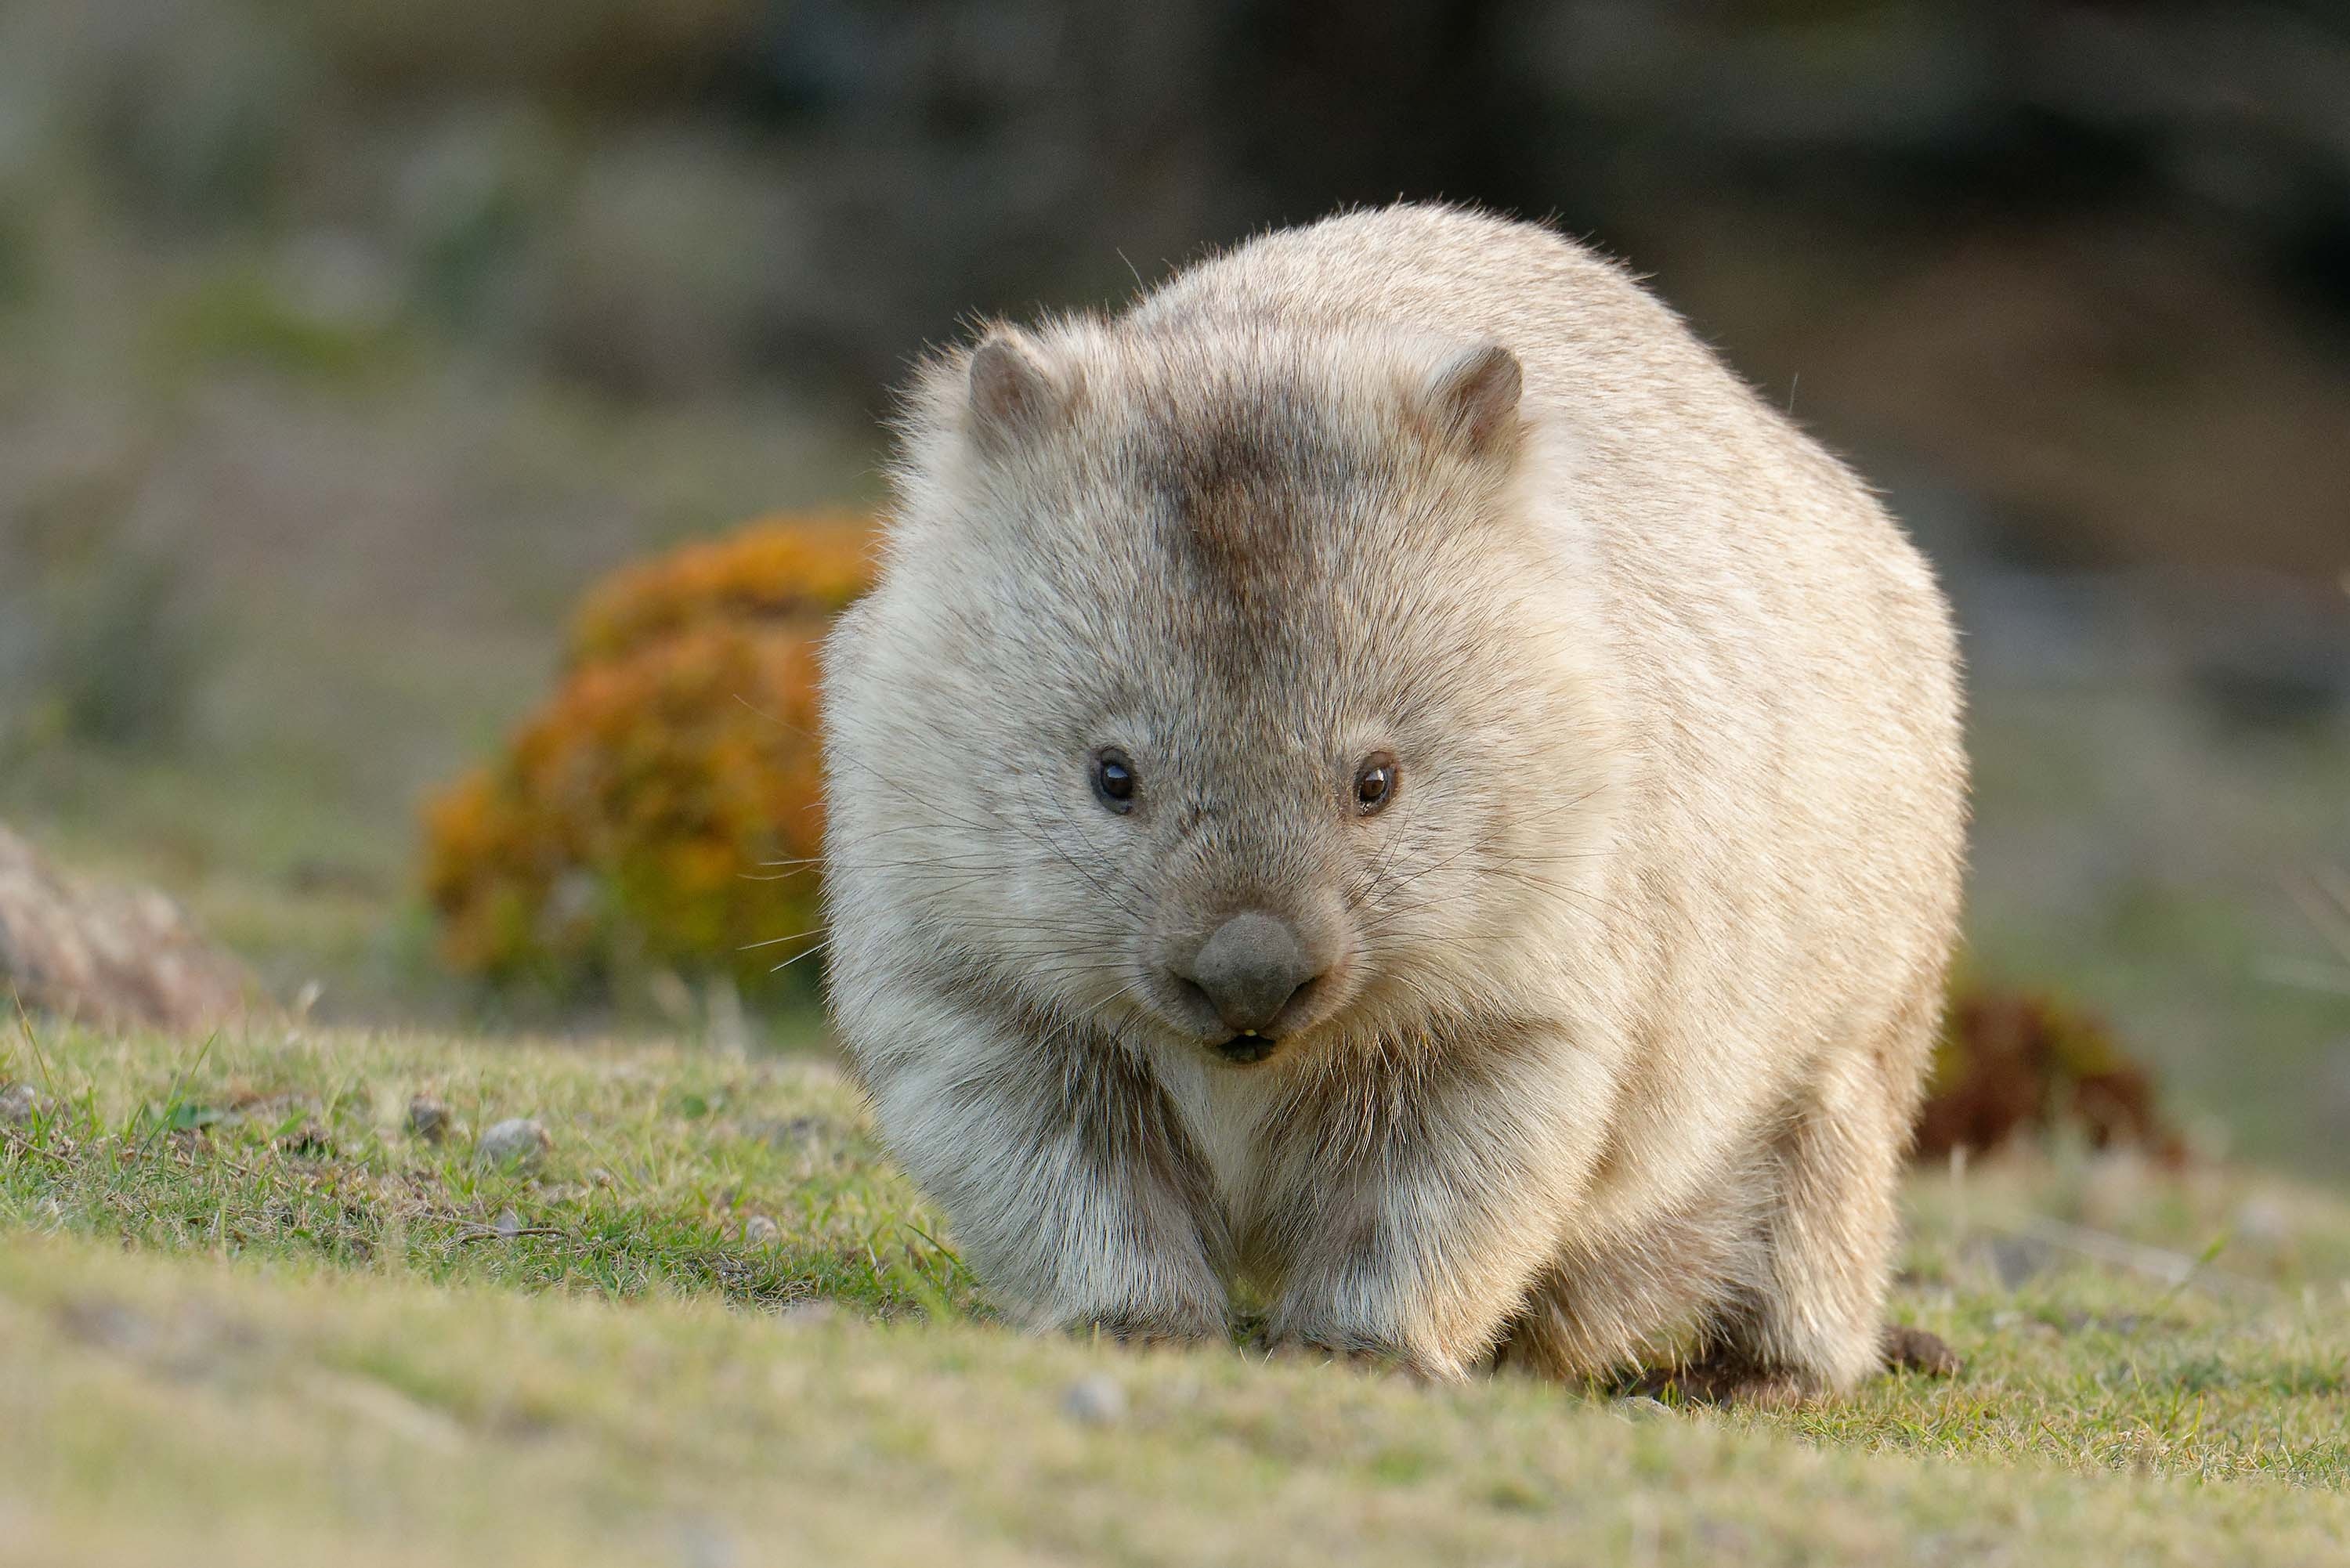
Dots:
(1217, 683)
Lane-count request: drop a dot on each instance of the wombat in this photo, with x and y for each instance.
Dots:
(1384, 788)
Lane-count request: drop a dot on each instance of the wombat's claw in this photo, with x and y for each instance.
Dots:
(1907, 1349)
(1145, 1336)
(1356, 1356)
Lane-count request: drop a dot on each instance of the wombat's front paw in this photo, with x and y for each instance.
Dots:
(1142, 1324)
(1139, 1335)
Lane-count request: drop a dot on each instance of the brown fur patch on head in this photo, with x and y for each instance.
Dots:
(1241, 485)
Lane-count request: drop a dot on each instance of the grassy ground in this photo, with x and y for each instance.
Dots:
(247, 1314)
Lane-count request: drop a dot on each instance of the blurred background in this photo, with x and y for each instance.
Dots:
(343, 343)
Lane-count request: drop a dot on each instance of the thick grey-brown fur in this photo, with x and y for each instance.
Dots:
(1632, 986)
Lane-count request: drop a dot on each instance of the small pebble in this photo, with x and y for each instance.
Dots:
(2262, 1220)
(759, 1231)
(17, 1104)
(517, 1143)
(1095, 1401)
(427, 1118)
(1640, 1407)
(701, 1543)
(509, 1224)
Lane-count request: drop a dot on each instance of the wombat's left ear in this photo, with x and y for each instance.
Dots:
(1013, 392)
(1473, 398)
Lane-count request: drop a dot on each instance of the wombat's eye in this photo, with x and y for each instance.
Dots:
(1114, 779)
(1375, 783)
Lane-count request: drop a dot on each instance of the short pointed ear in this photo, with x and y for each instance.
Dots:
(1473, 399)
(1014, 394)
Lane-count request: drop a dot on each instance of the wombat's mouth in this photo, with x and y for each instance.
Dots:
(1246, 1050)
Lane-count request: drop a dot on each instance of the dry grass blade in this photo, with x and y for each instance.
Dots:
(2323, 895)
(32, 1041)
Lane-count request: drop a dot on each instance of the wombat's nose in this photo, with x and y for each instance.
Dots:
(1249, 969)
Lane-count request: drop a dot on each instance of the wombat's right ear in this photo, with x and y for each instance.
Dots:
(1014, 394)
(1473, 398)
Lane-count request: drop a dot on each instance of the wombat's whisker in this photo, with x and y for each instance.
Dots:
(775, 942)
(808, 953)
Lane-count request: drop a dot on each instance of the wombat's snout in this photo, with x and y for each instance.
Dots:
(1244, 977)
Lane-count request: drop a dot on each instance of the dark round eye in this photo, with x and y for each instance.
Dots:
(1114, 779)
(1375, 783)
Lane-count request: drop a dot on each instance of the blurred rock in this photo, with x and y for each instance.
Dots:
(2018, 1260)
(428, 1117)
(121, 957)
(759, 1231)
(1095, 1401)
(17, 1104)
(517, 1143)
(2264, 1220)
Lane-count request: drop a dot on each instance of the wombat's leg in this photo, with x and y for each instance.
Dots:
(1812, 1320)
(1420, 1242)
(1603, 1308)
(1067, 1178)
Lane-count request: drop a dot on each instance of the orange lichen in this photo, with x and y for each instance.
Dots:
(789, 569)
(663, 808)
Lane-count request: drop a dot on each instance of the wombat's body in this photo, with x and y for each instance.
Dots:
(1461, 842)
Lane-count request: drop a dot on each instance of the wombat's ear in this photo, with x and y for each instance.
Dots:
(1473, 398)
(1013, 392)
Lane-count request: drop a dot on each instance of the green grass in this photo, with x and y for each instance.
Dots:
(297, 1150)
(247, 1315)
